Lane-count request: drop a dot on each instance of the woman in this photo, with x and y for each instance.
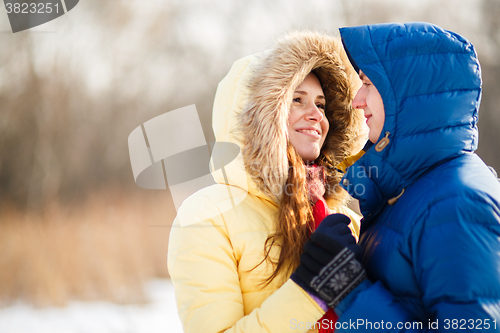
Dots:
(234, 245)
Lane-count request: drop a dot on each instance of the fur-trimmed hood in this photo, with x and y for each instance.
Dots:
(252, 105)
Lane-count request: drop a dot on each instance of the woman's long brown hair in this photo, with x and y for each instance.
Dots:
(295, 217)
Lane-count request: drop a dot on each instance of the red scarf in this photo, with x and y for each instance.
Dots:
(316, 186)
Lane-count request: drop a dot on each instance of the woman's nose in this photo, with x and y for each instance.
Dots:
(314, 114)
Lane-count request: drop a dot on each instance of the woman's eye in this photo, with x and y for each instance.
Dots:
(296, 100)
(321, 106)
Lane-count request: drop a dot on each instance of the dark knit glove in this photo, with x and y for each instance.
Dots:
(328, 269)
(336, 226)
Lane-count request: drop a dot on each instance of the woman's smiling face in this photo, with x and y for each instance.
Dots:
(307, 123)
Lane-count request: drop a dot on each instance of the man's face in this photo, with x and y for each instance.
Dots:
(368, 98)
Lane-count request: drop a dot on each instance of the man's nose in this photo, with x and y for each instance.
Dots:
(359, 101)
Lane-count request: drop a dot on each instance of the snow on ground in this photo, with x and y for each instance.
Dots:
(160, 315)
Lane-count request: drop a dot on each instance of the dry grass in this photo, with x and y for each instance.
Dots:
(102, 249)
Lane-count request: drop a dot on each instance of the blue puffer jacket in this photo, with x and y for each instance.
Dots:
(433, 254)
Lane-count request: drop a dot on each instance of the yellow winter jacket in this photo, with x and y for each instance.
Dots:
(217, 239)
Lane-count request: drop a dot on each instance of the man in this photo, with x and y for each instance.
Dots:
(431, 232)
(431, 228)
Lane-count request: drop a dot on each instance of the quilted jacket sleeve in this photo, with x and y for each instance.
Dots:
(456, 260)
(203, 268)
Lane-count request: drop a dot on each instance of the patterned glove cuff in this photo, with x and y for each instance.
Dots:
(337, 279)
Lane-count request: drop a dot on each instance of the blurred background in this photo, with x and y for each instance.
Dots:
(73, 224)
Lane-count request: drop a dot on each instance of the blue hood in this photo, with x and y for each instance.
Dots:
(430, 82)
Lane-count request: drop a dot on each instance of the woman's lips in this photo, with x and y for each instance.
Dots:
(312, 132)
